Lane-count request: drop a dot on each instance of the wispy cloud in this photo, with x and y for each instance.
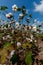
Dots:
(38, 7)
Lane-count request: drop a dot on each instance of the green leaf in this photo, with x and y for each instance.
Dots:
(3, 8)
(14, 59)
(28, 58)
(6, 45)
(30, 15)
(19, 9)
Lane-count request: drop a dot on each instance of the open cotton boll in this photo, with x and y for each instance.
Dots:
(8, 25)
(18, 44)
(3, 38)
(12, 31)
(5, 28)
(34, 28)
(14, 7)
(9, 15)
(35, 41)
(29, 27)
(8, 36)
(35, 21)
(16, 24)
(31, 36)
(12, 52)
(25, 28)
(21, 16)
(28, 39)
(31, 40)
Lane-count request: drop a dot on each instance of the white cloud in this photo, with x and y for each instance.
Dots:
(38, 7)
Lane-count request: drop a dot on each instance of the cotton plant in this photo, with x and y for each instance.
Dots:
(15, 9)
(16, 35)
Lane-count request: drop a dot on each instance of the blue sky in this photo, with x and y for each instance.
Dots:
(35, 7)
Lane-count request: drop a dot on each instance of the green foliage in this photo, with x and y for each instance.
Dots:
(19, 9)
(26, 44)
(6, 45)
(28, 58)
(14, 59)
(3, 8)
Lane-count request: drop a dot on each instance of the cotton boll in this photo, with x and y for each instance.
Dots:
(18, 44)
(8, 36)
(31, 36)
(17, 24)
(29, 27)
(25, 28)
(35, 21)
(27, 39)
(5, 28)
(14, 7)
(21, 16)
(8, 25)
(35, 41)
(3, 38)
(12, 31)
(9, 15)
(31, 40)
(34, 28)
(12, 52)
